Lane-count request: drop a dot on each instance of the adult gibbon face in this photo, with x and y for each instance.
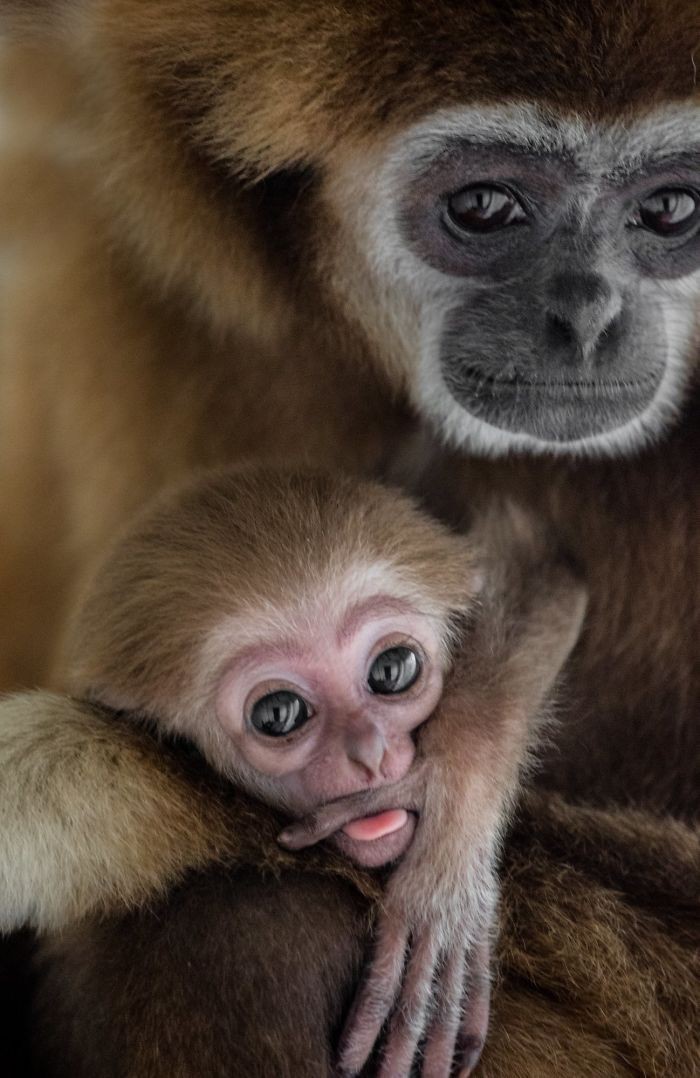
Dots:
(503, 197)
(540, 274)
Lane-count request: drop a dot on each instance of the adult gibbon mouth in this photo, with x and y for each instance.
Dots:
(552, 409)
(579, 386)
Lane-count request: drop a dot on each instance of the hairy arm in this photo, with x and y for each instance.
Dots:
(94, 815)
(429, 975)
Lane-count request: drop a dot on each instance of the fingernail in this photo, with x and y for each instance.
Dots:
(470, 1050)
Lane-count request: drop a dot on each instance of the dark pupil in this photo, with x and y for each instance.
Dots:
(669, 212)
(395, 670)
(483, 209)
(279, 713)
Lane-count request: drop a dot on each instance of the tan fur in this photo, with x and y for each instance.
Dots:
(630, 730)
(164, 314)
(598, 970)
(237, 552)
(93, 818)
(144, 337)
(257, 551)
(190, 330)
(599, 947)
(99, 817)
(250, 544)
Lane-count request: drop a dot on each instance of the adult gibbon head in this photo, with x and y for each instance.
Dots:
(499, 202)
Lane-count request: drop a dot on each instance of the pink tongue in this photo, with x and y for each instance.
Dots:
(371, 827)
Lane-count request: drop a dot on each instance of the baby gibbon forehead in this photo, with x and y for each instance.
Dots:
(274, 535)
(259, 550)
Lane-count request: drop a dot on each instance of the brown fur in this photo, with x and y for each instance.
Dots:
(598, 964)
(164, 313)
(247, 541)
(50, 870)
(217, 339)
(92, 824)
(630, 732)
(107, 817)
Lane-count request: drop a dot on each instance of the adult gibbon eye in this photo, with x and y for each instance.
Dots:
(279, 713)
(394, 671)
(485, 208)
(669, 212)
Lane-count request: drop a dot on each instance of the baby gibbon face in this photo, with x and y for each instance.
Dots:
(333, 712)
(294, 627)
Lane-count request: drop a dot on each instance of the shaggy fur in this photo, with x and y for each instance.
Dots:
(250, 544)
(253, 552)
(629, 730)
(598, 969)
(141, 815)
(166, 305)
(49, 871)
(170, 306)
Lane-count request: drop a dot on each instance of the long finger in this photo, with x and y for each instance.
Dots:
(411, 1016)
(441, 1041)
(475, 1020)
(375, 999)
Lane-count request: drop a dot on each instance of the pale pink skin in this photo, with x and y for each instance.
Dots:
(355, 739)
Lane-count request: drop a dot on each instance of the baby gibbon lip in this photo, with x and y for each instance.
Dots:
(369, 828)
(385, 847)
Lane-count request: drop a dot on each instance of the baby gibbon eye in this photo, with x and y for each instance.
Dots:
(279, 713)
(394, 671)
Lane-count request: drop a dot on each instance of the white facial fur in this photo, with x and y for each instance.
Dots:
(403, 302)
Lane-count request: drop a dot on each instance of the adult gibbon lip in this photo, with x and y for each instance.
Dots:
(552, 410)
(582, 388)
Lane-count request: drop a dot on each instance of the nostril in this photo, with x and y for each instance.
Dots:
(609, 336)
(559, 331)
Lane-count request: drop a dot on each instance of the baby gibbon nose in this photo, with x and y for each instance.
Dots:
(365, 746)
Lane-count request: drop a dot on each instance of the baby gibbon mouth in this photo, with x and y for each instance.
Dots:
(373, 827)
(377, 840)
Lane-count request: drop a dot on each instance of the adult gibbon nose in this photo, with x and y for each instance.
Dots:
(582, 314)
